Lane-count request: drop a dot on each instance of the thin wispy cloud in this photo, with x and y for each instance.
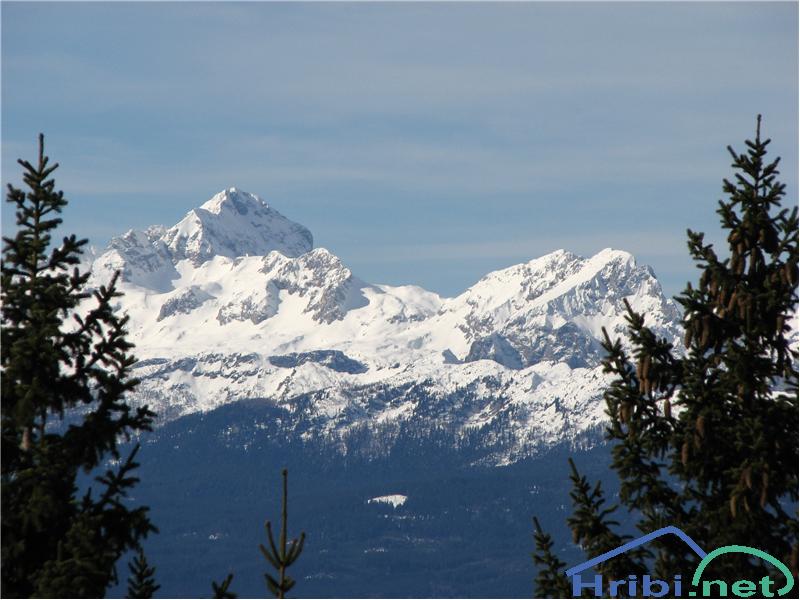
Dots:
(458, 127)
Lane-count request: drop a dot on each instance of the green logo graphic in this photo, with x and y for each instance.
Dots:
(744, 588)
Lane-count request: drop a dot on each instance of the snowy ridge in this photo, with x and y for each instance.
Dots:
(234, 303)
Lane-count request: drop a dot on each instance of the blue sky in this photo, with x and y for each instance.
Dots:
(422, 143)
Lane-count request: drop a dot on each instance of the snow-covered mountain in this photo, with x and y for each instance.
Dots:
(232, 224)
(234, 302)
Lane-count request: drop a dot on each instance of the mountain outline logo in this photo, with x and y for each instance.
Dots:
(743, 588)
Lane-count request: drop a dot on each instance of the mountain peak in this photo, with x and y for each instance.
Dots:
(234, 199)
(553, 308)
(232, 223)
(235, 223)
(611, 255)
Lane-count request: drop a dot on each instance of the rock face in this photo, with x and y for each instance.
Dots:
(320, 277)
(235, 303)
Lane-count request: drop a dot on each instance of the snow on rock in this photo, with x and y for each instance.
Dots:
(553, 308)
(184, 301)
(394, 499)
(142, 259)
(320, 276)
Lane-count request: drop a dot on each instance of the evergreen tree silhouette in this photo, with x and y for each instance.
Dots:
(142, 582)
(66, 371)
(221, 590)
(707, 440)
(551, 574)
(281, 556)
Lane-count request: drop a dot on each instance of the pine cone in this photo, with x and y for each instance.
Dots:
(732, 301)
(645, 367)
(700, 425)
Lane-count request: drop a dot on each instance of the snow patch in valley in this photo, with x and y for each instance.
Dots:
(394, 499)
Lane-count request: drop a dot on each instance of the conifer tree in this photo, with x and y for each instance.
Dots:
(221, 590)
(551, 574)
(707, 439)
(66, 372)
(142, 582)
(279, 555)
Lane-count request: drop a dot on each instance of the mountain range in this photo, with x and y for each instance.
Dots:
(235, 303)
(421, 433)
